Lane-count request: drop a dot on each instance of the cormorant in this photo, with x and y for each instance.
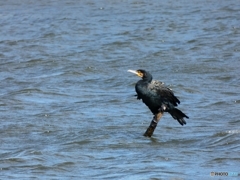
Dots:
(158, 98)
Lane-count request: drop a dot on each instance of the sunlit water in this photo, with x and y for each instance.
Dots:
(67, 104)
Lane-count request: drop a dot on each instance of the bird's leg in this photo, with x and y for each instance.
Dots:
(162, 109)
(153, 124)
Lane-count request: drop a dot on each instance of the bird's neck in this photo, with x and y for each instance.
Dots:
(147, 79)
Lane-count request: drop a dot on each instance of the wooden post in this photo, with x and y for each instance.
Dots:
(153, 124)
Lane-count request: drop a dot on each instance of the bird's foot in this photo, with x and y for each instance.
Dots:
(155, 119)
(137, 97)
(150, 129)
(154, 122)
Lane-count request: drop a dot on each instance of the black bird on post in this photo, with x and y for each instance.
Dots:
(158, 98)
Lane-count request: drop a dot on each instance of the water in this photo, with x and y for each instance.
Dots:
(68, 109)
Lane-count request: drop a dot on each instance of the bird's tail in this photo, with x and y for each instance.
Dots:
(178, 115)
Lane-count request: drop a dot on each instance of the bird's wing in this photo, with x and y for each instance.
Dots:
(157, 83)
(165, 93)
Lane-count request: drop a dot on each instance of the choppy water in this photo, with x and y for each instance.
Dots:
(68, 110)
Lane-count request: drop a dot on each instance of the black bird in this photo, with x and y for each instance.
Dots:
(158, 98)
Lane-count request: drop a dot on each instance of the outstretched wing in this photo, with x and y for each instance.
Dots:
(165, 93)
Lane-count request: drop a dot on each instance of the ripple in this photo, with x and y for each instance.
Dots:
(233, 131)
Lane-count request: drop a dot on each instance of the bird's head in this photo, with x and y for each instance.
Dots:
(142, 74)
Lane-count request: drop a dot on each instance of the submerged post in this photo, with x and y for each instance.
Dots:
(153, 125)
